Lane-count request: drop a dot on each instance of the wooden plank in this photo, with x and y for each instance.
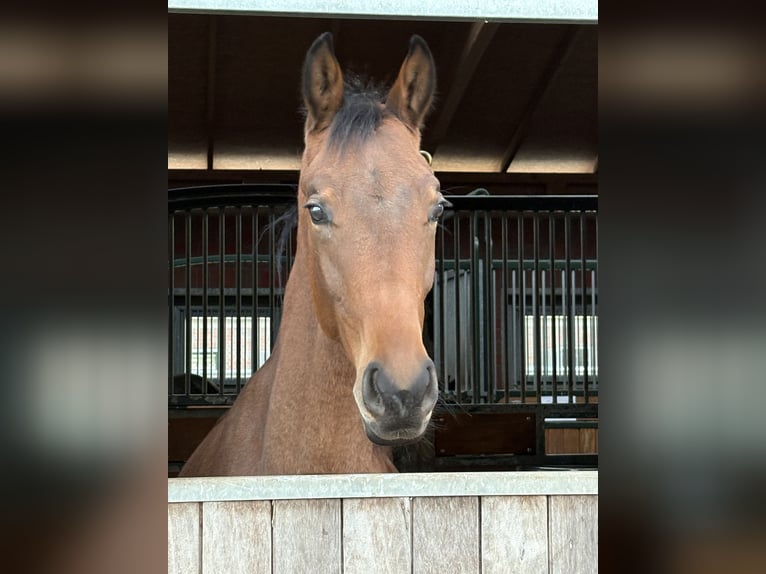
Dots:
(514, 534)
(589, 441)
(445, 535)
(307, 536)
(377, 531)
(183, 538)
(573, 528)
(236, 537)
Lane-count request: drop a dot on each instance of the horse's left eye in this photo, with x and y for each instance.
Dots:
(438, 210)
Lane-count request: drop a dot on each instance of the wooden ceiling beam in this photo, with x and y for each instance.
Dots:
(479, 37)
(555, 64)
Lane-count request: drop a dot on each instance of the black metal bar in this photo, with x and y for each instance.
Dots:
(458, 330)
(515, 326)
(272, 277)
(536, 291)
(554, 348)
(569, 306)
(522, 310)
(584, 303)
(504, 301)
(187, 303)
(255, 333)
(205, 247)
(594, 300)
(443, 315)
(490, 341)
(230, 194)
(474, 371)
(221, 297)
(268, 194)
(238, 295)
(171, 302)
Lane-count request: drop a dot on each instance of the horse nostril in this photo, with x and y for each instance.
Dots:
(370, 392)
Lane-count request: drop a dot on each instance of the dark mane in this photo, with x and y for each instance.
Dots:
(360, 113)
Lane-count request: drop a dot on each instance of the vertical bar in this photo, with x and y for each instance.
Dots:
(593, 300)
(504, 315)
(475, 370)
(221, 296)
(515, 327)
(254, 288)
(459, 331)
(205, 341)
(238, 294)
(584, 300)
(554, 348)
(442, 310)
(490, 351)
(569, 304)
(536, 291)
(171, 302)
(522, 309)
(272, 275)
(187, 300)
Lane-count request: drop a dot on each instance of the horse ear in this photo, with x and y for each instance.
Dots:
(411, 95)
(322, 83)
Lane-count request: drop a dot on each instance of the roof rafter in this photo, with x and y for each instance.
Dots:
(479, 37)
(555, 64)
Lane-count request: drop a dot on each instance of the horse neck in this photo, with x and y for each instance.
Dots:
(312, 414)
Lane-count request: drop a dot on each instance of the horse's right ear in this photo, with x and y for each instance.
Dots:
(322, 84)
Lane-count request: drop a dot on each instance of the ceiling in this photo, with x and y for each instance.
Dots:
(513, 98)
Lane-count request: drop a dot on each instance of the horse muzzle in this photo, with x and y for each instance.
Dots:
(397, 412)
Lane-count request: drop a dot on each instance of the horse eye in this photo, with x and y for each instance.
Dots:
(317, 213)
(438, 210)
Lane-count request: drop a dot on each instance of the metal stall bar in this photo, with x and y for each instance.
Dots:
(443, 310)
(171, 302)
(584, 303)
(537, 301)
(490, 342)
(238, 294)
(458, 329)
(205, 246)
(522, 309)
(254, 326)
(505, 339)
(272, 277)
(552, 257)
(221, 297)
(475, 307)
(569, 299)
(187, 301)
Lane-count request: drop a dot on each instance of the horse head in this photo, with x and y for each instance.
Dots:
(371, 205)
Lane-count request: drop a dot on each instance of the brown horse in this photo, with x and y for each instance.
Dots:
(349, 376)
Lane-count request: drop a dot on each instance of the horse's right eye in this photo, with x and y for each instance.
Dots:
(317, 213)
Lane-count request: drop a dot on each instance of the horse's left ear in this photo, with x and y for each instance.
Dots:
(411, 95)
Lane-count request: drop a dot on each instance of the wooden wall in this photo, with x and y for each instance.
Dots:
(503, 533)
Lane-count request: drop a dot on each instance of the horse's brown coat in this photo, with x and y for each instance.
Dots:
(355, 293)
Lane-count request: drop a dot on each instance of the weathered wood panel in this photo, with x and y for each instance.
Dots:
(573, 531)
(445, 535)
(377, 531)
(307, 536)
(514, 534)
(237, 535)
(183, 538)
